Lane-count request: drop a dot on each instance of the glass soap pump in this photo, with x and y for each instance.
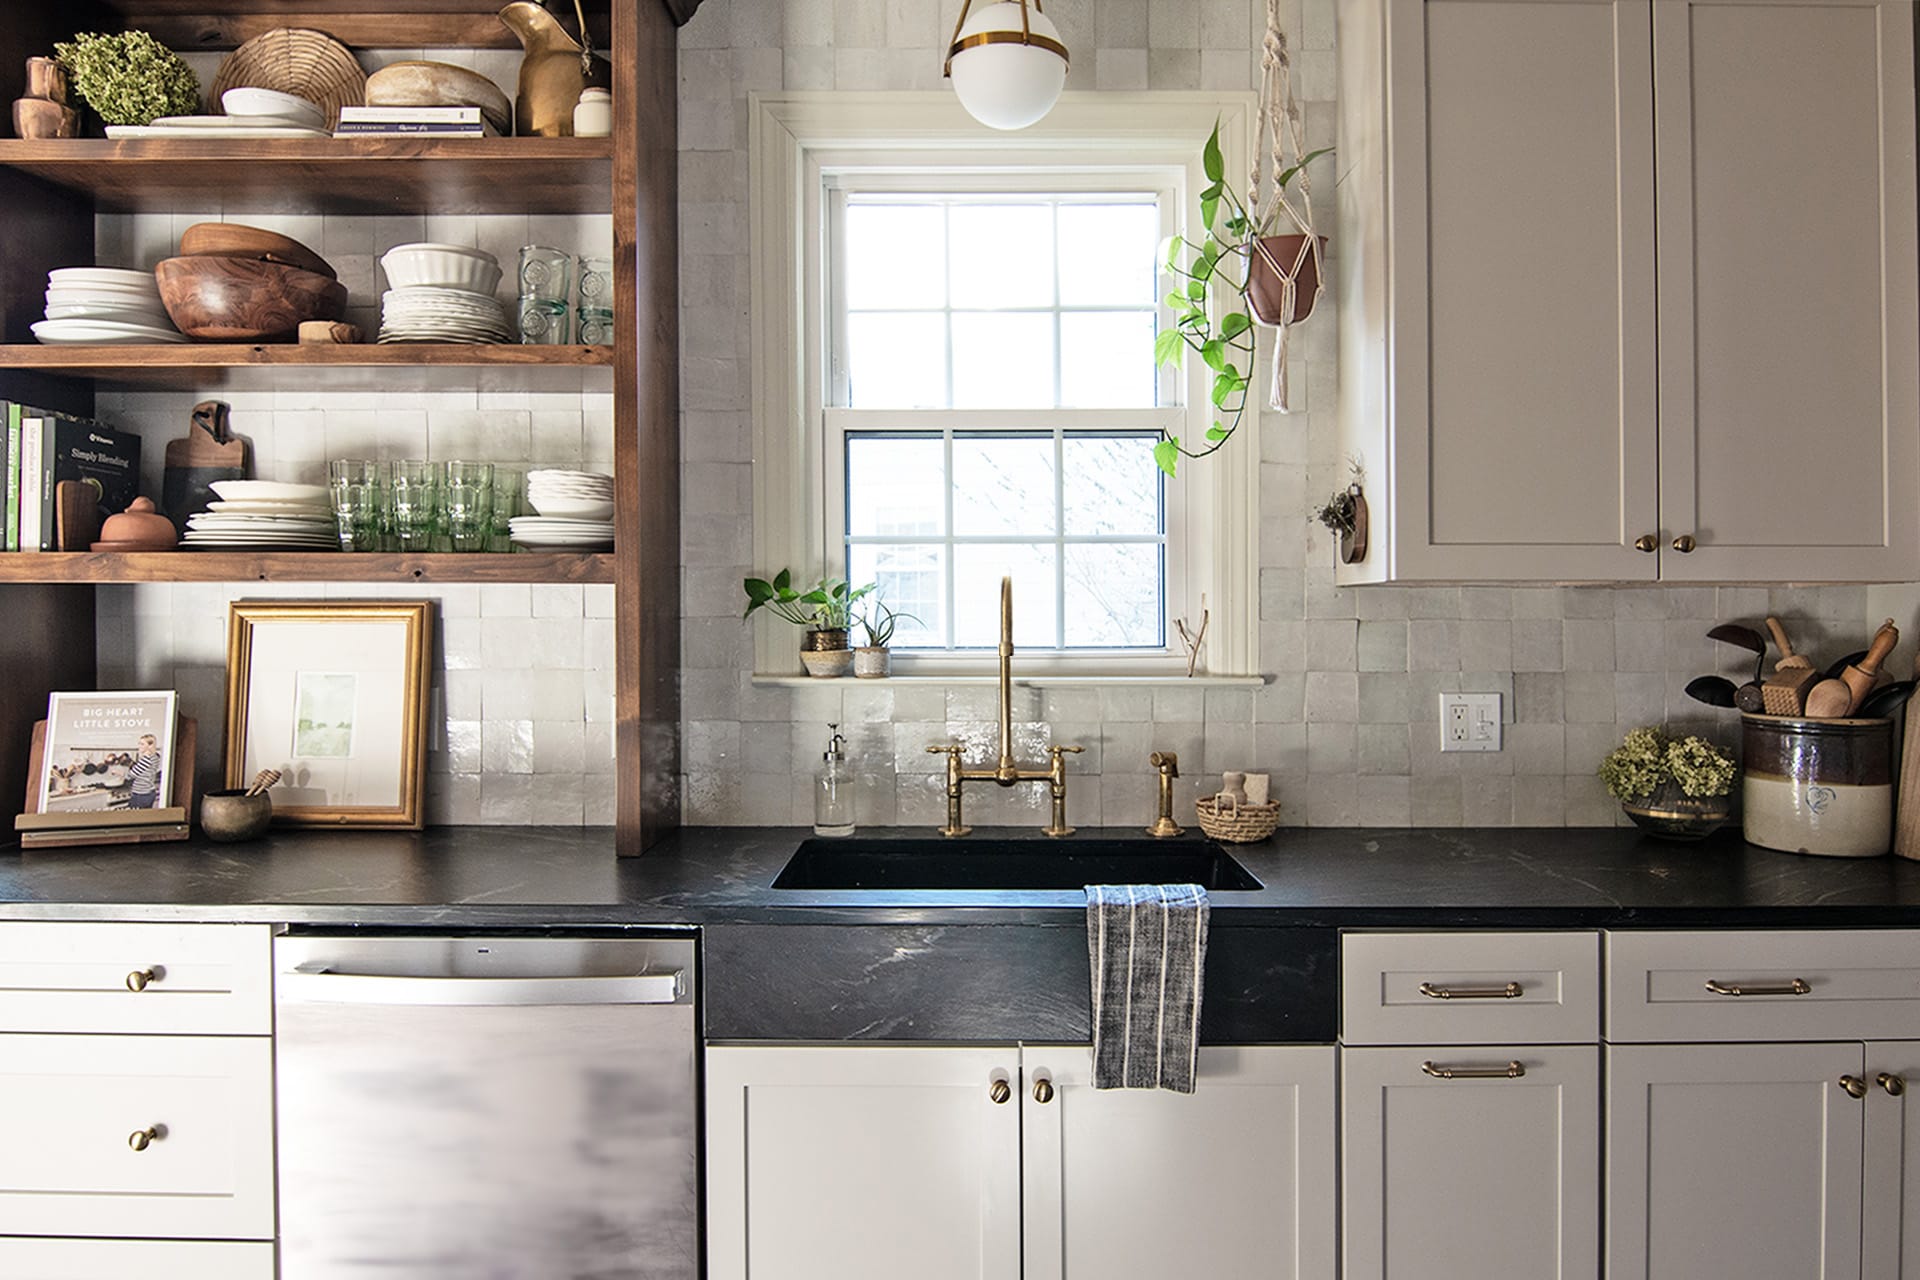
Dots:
(833, 790)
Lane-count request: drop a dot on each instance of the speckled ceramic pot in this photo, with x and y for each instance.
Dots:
(1818, 786)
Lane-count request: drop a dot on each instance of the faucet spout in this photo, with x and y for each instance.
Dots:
(1007, 773)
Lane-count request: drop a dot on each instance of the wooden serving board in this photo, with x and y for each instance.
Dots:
(1906, 812)
(209, 452)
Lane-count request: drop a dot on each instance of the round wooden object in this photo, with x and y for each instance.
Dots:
(241, 300)
(308, 64)
(440, 84)
(232, 240)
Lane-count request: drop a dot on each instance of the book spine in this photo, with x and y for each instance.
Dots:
(402, 129)
(382, 115)
(32, 437)
(10, 514)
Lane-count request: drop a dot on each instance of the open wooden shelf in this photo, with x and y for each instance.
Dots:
(343, 175)
(401, 366)
(372, 24)
(294, 566)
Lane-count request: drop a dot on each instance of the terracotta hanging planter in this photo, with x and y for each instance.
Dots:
(1273, 258)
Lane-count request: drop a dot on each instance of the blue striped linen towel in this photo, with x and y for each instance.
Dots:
(1147, 950)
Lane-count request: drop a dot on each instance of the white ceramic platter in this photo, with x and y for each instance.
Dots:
(252, 103)
(269, 490)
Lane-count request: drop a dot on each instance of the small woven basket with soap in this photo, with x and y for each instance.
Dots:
(1235, 822)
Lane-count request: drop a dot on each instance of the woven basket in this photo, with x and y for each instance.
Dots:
(1232, 823)
(308, 64)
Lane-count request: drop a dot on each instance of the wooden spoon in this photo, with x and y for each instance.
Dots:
(1836, 697)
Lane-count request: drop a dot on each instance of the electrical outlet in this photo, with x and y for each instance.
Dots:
(1469, 722)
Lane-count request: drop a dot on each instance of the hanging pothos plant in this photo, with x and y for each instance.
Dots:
(1212, 277)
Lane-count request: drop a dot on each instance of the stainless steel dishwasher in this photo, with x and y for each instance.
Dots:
(468, 1108)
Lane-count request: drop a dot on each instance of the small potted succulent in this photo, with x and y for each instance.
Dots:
(874, 659)
(1674, 788)
(825, 609)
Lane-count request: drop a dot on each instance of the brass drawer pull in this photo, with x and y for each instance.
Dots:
(1893, 1084)
(139, 978)
(1512, 1071)
(1043, 1090)
(1000, 1091)
(1434, 992)
(141, 1139)
(1854, 1086)
(1798, 987)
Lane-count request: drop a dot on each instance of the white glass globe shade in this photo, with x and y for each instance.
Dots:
(1008, 86)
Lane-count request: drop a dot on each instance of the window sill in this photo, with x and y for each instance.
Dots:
(1024, 682)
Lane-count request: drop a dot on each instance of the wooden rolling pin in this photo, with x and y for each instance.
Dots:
(1785, 691)
(1833, 698)
(1906, 813)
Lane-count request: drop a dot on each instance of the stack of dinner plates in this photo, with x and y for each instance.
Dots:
(573, 495)
(429, 314)
(264, 515)
(100, 305)
(551, 533)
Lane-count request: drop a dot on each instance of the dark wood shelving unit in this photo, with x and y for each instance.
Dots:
(312, 566)
(347, 175)
(396, 366)
(53, 190)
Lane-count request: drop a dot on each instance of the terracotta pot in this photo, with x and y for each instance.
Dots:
(827, 664)
(872, 663)
(228, 816)
(1264, 284)
(138, 528)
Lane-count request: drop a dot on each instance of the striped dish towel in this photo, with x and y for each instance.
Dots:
(1147, 949)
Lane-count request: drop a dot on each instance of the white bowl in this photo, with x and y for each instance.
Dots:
(572, 508)
(441, 266)
(281, 107)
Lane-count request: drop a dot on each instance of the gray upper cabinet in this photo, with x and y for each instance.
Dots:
(1628, 288)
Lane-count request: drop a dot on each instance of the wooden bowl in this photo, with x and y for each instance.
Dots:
(241, 300)
(232, 240)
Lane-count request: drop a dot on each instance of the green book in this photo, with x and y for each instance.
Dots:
(12, 526)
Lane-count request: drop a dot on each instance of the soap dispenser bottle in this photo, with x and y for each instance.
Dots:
(833, 790)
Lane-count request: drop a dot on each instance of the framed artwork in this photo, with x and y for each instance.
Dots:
(333, 694)
(109, 753)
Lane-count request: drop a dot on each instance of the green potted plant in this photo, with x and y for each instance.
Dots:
(1675, 788)
(825, 609)
(874, 659)
(1235, 271)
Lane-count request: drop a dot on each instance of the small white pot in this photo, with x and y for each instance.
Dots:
(872, 663)
(826, 664)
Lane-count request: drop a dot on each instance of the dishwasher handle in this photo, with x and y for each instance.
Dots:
(317, 984)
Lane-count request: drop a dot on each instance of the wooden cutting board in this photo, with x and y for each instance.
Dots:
(207, 453)
(1906, 813)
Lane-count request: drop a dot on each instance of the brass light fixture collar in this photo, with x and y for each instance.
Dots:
(1025, 35)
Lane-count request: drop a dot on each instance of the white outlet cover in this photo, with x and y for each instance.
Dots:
(1470, 722)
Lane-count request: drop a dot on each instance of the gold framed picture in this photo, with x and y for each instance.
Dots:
(333, 694)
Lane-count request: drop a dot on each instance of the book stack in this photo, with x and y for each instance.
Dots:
(433, 122)
(43, 449)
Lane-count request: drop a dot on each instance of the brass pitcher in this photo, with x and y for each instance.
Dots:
(556, 68)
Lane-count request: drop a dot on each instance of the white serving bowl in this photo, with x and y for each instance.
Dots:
(271, 104)
(441, 266)
(572, 508)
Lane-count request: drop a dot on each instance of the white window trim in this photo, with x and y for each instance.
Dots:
(795, 139)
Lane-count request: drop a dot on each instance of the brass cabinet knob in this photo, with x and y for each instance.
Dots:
(1000, 1092)
(1855, 1087)
(1893, 1084)
(1043, 1090)
(139, 978)
(141, 1139)
(1685, 544)
(1646, 542)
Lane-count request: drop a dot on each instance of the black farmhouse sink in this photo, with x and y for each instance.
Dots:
(970, 863)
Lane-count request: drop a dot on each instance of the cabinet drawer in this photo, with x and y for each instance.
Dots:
(196, 979)
(31, 1259)
(1819, 985)
(69, 1166)
(1470, 988)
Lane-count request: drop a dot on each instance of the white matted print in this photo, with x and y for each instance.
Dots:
(108, 751)
(333, 695)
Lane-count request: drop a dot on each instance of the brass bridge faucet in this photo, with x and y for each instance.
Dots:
(1006, 773)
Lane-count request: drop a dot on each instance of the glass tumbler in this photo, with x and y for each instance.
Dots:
(546, 274)
(508, 485)
(466, 505)
(358, 511)
(414, 508)
(596, 302)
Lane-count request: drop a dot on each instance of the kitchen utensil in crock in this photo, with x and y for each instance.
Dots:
(1841, 664)
(1715, 691)
(1788, 658)
(1784, 693)
(1839, 695)
(1885, 700)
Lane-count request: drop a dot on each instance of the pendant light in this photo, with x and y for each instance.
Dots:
(1007, 63)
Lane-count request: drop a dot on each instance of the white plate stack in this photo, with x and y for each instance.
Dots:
(263, 515)
(442, 293)
(94, 306)
(576, 509)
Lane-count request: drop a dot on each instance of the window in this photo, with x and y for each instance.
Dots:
(954, 376)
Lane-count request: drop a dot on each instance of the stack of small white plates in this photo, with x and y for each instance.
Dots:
(98, 305)
(549, 533)
(571, 495)
(264, 515)
(442, 315)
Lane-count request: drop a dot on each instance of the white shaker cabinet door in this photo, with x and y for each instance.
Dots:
(1785, 151)
(1523, 402)
(1233, 1180)
(1457, 1170)
(1891, 1234)
(863, 1163)
(1734, 1160)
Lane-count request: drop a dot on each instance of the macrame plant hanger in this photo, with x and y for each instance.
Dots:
(1278, 131)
